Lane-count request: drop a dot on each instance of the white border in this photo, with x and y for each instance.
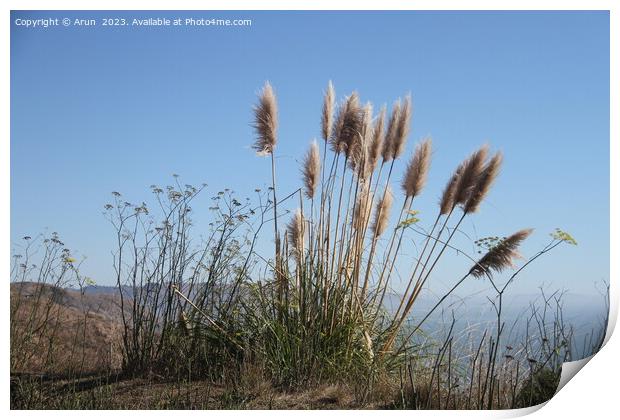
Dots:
(593, 394)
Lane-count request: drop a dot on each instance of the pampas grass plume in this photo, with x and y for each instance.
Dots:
(327, 115)
(311, 170)
(266, 121)
(500, 257)
(482, 187)
(417, 169)
(382, 213)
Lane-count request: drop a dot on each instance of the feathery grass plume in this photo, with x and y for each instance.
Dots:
(359, 148)
(367, 126)
(368, 134)
(347, 126)
(376, 144)
(382, 213)
(482, 187)
(390, 134)
(327, 115)
(469, 173)
(295, 230)
(362, 209)
(447, 197)
(501, 255)
(417, 169)
(266, 121)
(355, 136)
(402, 129)
(334, 141)
(311, 169)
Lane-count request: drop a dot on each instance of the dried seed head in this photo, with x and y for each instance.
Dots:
(390, 135)
(295, 230)
(367, 138)
(311, 169)
(482, 187)
(447, 198)
(417, 169)
(382, 213)
(358, 153)
(367, 126)
(469, 173)
(327, 116)
(376, 144)
(348, 125)
(266, 121)
(402, 129)
(501, 255)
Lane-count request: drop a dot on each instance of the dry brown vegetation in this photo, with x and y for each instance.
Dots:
(81, 336)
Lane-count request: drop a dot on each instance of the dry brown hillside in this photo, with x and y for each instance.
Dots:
(57, 330)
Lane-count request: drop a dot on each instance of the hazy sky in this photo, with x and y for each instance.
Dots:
(99, 109)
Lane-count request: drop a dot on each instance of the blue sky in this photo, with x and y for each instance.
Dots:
(100, 109)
